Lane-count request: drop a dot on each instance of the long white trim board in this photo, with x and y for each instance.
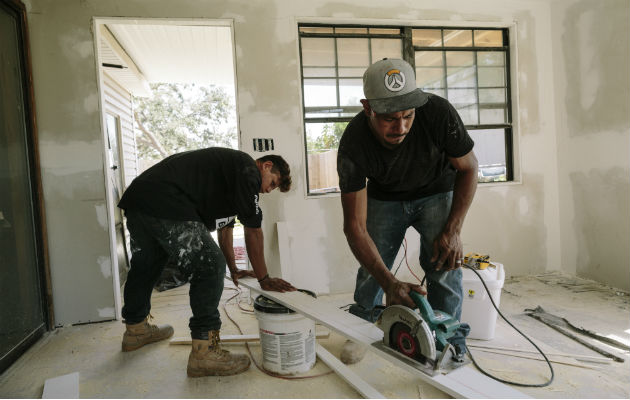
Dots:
(354, 380)
(464, 382)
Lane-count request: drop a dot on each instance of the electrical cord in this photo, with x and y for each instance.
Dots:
(521, 333)
(407, 263)
(402, 259)
(502, 316)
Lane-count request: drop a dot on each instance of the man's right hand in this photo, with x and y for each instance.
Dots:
(277, 285)
(398, 293)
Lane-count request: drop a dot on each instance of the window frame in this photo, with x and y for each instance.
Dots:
(408, 52)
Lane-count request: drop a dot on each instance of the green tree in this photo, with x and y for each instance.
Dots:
(328, 139)
(181, 117)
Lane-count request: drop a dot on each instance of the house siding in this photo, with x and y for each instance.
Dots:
(118, 102)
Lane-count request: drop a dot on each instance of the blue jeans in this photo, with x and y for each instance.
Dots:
(153, 242)
(387, 222)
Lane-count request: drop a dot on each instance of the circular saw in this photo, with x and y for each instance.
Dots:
(420, 335)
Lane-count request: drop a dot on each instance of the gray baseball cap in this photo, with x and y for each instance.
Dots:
(389, 86)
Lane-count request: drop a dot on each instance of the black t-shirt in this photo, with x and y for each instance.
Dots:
(418, 167)
(210, 185)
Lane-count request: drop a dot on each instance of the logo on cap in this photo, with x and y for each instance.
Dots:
(394, 80)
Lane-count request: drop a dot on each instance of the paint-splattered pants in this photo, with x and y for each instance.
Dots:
(387, 222)
(191, 247)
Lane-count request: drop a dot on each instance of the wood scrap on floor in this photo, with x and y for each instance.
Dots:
(558, 324)
(562, 322)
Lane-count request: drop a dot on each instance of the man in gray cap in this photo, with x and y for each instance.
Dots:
(421, 172)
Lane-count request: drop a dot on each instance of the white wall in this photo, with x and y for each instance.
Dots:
(519, 224)
(592, 41)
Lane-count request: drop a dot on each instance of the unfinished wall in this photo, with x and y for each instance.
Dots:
(518, 224)
(592, 43)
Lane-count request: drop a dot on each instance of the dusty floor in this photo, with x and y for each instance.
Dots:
(159, 370)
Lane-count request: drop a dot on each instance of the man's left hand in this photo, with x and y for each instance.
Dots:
(241, 273)
(447, 251)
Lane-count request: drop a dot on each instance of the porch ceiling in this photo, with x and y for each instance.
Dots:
(178, 53)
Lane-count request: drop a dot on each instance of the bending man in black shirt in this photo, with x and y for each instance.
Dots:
(171, 209)
(421, 172)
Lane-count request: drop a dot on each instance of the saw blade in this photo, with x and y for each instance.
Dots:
(404, 342)
(415, 341)
(413, 338)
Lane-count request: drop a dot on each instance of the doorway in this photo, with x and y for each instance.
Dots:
(139, 57)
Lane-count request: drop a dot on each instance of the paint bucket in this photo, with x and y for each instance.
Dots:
(286, 337)
(477, 309)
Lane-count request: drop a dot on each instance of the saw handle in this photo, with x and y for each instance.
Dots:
(425, 308)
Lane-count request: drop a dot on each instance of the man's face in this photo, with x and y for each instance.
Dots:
(390, 129)
(270, 180)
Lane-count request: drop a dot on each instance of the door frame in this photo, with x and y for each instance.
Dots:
(96, 24)
(37, 194)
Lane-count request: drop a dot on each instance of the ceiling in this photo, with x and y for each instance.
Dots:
(169, 53)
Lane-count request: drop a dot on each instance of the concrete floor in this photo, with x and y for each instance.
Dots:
(159, 370)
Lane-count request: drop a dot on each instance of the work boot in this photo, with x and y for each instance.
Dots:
(208, 358)
(137, 335)
(352, 352)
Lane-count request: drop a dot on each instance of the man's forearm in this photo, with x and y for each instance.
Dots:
(366, 253)
(463, 193)
(226, 243)
(254, 241)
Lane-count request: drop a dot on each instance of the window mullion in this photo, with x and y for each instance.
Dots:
(444, 69)
(337, 74)
(477, 88)
(508, 154)
(408, 52)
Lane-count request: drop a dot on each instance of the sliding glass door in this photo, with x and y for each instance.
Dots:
(23, 316)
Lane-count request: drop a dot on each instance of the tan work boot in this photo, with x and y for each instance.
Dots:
(137, 335)
(352, 352)
(208, 358)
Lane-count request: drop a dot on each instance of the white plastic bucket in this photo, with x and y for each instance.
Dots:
(477, 309)
(287, 338)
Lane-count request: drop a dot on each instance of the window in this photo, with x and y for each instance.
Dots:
(468, 66)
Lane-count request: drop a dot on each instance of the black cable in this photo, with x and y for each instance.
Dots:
(399, 264)
(522, 334)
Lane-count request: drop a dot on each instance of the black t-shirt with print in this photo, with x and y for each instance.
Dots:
(210, 185)
(418, 167)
